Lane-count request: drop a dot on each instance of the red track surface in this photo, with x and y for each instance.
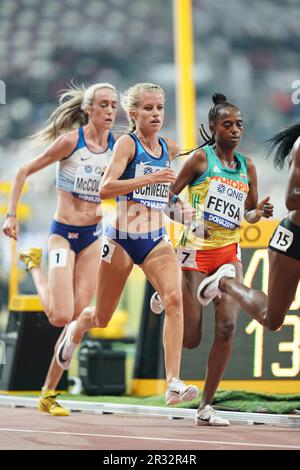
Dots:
(28, 429)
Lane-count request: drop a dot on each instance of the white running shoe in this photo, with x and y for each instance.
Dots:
(209, 288)
(66, 348)
(156, 304)
(207, 416)
(178, 391)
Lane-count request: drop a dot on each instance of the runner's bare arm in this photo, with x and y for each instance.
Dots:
(193, 167)
(254, 211)
(123, 153)
(61, 148)
(292, 198)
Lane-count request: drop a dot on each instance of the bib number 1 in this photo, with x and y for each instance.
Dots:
(58, 258)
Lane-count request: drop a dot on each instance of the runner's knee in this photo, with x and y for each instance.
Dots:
(172, 298)
(225, 330)
(59, 318)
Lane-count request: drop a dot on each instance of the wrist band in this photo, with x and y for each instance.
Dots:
(174, 198)
(11, 214)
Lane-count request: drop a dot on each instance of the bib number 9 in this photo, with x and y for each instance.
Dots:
(108, 249)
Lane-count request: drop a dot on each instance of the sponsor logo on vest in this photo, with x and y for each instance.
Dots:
(216, 169)
(146, 163)
(99, 170)
(221, 188)
(148, 170)
(240, 185)
(86, 158)
(234, 193)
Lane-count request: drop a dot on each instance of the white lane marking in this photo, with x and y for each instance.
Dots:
(196, 441)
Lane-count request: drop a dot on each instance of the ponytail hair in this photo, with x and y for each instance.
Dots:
(282, 144)
(71, 112)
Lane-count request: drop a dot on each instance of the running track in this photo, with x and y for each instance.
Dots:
(22, 428)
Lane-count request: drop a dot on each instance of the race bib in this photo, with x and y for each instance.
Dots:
(186, 258)
(108, 249)
(58, 258)
(154, 195)
(224, 204)
(282, 238)
(88, 179)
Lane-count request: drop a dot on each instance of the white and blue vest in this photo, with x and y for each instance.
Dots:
(81, 172)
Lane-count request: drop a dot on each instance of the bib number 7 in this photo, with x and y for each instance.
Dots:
(186, 258)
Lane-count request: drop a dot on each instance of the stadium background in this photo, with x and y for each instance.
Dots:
(250, 53)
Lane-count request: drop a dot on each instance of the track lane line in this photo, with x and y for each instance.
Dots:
(194, 441)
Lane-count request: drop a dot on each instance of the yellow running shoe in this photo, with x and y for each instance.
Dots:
(31, 257)
(48, 404)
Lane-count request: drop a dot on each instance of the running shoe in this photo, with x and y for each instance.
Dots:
(66, 348)
(178, 391)
(156, 304)
(31, 257)
(48, 404)
(209, 288)
(207, 416)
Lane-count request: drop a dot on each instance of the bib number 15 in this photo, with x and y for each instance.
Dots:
(282, 238)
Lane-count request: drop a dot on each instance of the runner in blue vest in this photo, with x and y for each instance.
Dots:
(139, 177)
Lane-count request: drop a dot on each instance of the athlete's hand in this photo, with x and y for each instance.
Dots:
(188, 212)
(167, 175)
(11, 227)
(201, 230)
(265, 208)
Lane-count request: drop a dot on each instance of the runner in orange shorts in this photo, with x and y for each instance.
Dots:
(222, 187)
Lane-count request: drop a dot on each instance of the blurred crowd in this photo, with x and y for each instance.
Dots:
(248, 51)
